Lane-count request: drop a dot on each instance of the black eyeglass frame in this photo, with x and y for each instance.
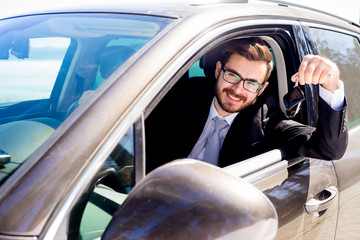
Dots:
(260, 86)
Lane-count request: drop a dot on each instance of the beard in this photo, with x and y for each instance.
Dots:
(228, 106)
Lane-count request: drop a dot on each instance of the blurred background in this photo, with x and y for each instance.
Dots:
(349, 9)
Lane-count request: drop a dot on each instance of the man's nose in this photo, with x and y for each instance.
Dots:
(239, 88)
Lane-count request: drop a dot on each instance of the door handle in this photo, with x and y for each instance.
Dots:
(321, 201)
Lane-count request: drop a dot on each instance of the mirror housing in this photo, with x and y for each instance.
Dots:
(190, 199)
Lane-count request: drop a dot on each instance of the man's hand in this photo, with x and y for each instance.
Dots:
(318, 70)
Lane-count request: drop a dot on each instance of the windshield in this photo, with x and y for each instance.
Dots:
(49, 64)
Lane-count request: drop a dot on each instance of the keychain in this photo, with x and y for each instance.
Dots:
(293, 100)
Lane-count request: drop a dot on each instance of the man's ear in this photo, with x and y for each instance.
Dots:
(261, 91)
(217, 69)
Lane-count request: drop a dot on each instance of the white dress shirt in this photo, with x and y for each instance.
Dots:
(199, 149)
(335, 100)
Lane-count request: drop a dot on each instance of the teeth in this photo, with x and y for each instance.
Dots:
(234, 98)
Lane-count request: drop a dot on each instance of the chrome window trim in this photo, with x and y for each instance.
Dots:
(354, 131)
(263, 166)
(252, 165)
(139, 140)
(267, 172)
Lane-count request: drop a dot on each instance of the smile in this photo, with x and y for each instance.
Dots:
(233, 97)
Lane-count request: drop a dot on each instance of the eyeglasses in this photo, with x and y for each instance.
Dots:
(249, 85)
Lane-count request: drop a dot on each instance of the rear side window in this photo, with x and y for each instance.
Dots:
(345, 51)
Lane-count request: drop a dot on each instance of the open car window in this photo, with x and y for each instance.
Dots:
(198, 80)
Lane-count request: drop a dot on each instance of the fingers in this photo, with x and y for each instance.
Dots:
(295, 77)
(317, 70)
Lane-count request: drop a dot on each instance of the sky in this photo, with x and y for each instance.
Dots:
(349, 9)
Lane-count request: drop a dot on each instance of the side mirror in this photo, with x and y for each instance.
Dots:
(190, 199)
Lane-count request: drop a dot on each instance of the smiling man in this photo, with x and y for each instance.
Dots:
(238, 121)
(255, 67)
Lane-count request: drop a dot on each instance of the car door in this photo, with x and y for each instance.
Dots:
(342, 44)
(320, 188)
(295, 185)
(286, 182)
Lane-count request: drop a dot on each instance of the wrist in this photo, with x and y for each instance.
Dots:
(331, 86)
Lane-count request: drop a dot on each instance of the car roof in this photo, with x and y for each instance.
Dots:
(162, 8)
(165, 8)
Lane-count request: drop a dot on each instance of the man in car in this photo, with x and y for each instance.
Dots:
(238, 120)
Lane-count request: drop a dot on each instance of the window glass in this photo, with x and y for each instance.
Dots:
(345, 51)
(52, 63)
(20, 78)
(112, 185)
(114, 55)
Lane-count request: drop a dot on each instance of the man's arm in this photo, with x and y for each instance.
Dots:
(335, 100)
(329, 140)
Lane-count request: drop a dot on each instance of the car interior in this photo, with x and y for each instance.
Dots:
(35, 121)
(200, 78)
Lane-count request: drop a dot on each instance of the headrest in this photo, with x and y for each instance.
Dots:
(208, 62)
(112, 58)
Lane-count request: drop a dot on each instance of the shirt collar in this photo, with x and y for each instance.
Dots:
(213, 113)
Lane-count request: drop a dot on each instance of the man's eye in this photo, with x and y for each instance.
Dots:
(233, 75)
(252, 83)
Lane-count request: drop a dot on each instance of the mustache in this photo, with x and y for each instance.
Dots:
(232, 92)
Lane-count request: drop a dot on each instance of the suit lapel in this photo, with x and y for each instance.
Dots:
(242, 139)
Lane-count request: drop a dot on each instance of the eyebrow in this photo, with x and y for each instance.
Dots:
(249, 79)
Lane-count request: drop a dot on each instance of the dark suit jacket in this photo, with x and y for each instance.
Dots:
(176, 124)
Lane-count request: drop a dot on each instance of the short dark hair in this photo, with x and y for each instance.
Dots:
(253, 49)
